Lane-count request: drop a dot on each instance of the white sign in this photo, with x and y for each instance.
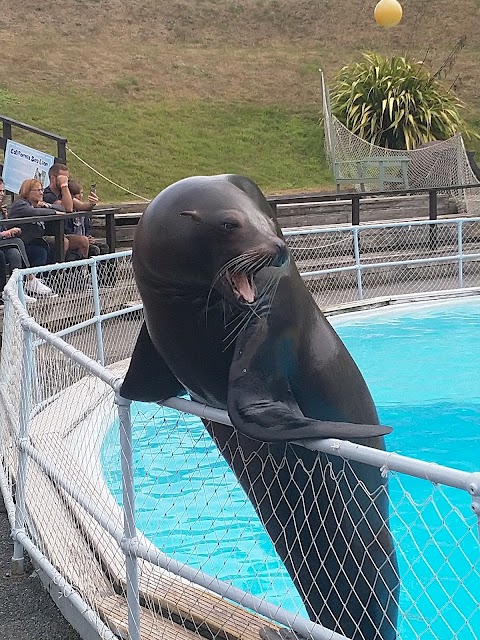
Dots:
(22, 162)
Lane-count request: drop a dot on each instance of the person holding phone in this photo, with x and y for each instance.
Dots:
(12, 249)
(58, 193)
(81, 226)
(106, 269)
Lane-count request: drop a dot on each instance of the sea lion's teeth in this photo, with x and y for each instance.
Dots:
(242, 286)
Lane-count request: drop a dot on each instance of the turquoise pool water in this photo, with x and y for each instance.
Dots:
(421, 365)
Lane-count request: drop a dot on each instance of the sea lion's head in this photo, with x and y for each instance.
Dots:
(205, 233)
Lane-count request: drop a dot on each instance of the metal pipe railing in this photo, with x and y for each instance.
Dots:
(126, 537)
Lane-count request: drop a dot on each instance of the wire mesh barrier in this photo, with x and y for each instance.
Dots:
(134, 516)
(355, 161)
(347, 264)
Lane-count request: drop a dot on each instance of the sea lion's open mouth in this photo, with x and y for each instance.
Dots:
(242, 285)
(241, 275)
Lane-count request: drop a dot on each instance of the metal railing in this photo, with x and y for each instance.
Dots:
(357, 198)
(354, 199)
(348, 264)
(38, 400)
(8, 123)
(58, 223)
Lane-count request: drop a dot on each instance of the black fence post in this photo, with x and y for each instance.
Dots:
(62, 151)
(355, 220)
(59, 241)
(432, 214)
(7, 130)
(355, 209)
(111, 231)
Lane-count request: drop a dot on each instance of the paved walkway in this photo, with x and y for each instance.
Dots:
(26, 610)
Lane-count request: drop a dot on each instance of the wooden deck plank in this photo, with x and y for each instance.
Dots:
(114, 612)
(201, 607)
(61, 540)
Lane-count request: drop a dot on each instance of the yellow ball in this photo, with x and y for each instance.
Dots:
(388, 13)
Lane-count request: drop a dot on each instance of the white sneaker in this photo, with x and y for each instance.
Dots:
(28, 299)
(36, 286)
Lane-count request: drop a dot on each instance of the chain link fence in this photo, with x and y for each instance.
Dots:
(131, 511)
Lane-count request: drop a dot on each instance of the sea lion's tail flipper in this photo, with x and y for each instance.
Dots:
(149, 379)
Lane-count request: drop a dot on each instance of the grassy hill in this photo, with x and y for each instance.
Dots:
(149, 91)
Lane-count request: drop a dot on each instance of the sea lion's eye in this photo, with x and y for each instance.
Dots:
(229, 226)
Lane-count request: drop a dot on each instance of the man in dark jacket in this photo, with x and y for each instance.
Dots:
(58, 193)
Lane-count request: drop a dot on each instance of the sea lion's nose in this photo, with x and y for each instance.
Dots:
(281, 253)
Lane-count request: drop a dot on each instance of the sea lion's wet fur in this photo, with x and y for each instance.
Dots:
(202, 249)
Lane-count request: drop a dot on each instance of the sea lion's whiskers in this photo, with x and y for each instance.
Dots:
(238, 323)
(248, 263)
(238, 263)
(272, 286)
(267, 295)
(244, 319)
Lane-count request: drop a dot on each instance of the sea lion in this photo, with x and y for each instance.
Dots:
(229, 319)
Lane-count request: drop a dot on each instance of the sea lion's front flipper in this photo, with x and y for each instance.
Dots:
(261, 403)
(149, 379)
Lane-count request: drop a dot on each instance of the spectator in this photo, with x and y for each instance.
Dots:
(3, 206)
(57, 194)
(106, 269)
(12, 247)
(81, 226)
(30, 204)
(57, 191)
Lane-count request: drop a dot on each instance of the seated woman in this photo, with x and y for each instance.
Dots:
(12, 249)
(30, 204)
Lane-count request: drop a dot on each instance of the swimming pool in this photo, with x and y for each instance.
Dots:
(420, 363)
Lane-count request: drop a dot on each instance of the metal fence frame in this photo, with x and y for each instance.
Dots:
(127, 538)
(459, 256)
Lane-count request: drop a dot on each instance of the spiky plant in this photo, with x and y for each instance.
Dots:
(395, 103)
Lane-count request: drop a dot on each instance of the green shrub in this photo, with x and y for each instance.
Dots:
(395, 103)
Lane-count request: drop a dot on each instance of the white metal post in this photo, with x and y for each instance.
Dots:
(129, 542)
(17, 567)
(356, 248)
(460, 254)
(474, 490)
(97, 310)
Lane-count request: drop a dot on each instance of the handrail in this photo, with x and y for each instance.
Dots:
(356, 197)
(59, 220)
(60, 140)
(32, 129)
(348, 195)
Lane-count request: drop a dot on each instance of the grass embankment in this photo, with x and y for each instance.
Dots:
(146, 146)
(150, 91)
